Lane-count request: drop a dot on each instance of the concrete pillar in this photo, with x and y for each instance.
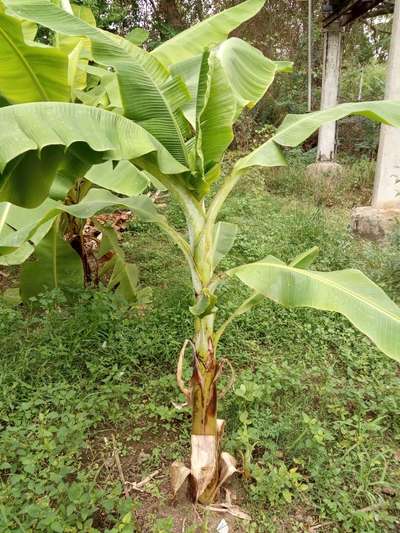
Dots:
(387, 177)
(377, 221)
(329, 92)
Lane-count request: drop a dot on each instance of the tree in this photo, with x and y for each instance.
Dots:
(180, 103)
(118, 16)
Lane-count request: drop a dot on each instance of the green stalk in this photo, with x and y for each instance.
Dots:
(205, 439)
(205, 457)
(219, 199)
(185, 249)
(191, 207)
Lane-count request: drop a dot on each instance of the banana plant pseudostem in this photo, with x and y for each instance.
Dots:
(179, 104)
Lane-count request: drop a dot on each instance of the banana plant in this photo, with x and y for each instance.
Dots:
(58, 260)
(71, 248)
(179, 105)
(31, 71)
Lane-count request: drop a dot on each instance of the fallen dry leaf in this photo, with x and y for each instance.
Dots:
(233, 510)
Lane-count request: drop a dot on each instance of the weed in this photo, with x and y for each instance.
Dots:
(314, 416)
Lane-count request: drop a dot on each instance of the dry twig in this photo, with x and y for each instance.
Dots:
(138, 486)
(119, 466)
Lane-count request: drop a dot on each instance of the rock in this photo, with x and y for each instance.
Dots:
(374, 223)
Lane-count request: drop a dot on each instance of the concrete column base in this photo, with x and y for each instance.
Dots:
(324, 169)
(374, 223)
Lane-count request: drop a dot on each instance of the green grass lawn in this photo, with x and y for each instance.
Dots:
(314, 417)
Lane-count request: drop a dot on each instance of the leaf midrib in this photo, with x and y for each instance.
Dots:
(4, 217)
(333, 284)
(26, 64)
(130, 54)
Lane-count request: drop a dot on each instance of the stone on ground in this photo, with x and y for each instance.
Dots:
(374, 223)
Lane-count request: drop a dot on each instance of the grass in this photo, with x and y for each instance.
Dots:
(313, 418)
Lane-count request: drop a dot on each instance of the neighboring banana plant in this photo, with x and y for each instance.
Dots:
(31, 71)
(69, 261)
(69, 256)
(179, 104)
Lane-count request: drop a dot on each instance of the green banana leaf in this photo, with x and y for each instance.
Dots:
(33, 138)
(206, 34)
(104, 84)
(77, 77)
(221, 83)
(348, 292)
(138, 36)
(26, 249)
(29, 30)
(51, 250)
(19, 255)
(249, 72)
(305, 259)
(95, 201)
(215, 109)
(30, 73)
(72, 167)
(224, 238)
(125, 178)
(296, 128)
(96, 95)
(56, 265)
(149, 95)
(98, 199)
(19, 225)
(190, 70)
(67, 42)
(211, 112)
(78, 50)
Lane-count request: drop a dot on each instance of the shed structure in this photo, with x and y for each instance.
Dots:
(337, 15)
(375, 221)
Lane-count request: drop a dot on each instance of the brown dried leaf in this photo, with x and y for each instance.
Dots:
(117, 220)
(227, 466)
(389, 491)
(179, 472)
(138, 485)
(220, 428)
(233, 510)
